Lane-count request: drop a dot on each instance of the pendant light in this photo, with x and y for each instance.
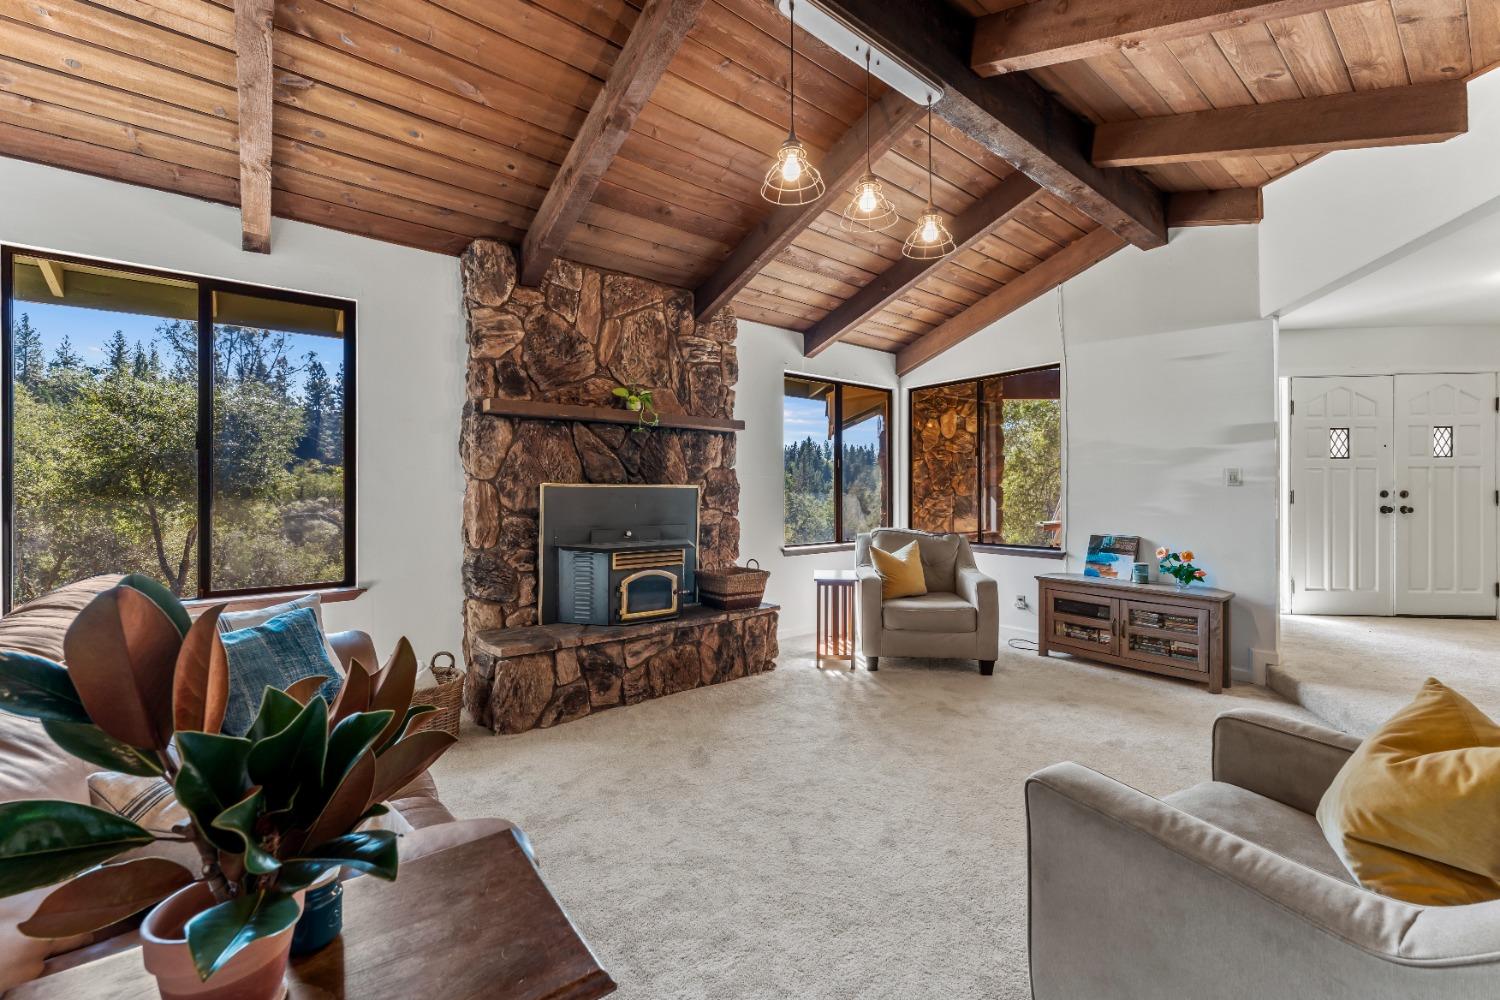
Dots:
(869, 211)
(931, 240)
(792, 179)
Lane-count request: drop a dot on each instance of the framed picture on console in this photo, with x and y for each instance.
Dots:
(1111, 556)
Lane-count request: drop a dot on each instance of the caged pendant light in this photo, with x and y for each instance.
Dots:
(792, 179)
(931, 240)
(869, 210)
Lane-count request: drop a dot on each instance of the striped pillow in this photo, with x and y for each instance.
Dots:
(277, 654)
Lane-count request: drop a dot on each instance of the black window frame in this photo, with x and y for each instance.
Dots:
(206, 287)
(838, 457)
(977, 381)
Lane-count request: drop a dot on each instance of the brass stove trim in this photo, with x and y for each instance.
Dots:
(647, 559)
(626, 615)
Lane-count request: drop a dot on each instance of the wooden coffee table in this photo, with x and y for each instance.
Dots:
(472, 921)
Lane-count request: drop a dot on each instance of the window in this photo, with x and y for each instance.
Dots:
(1442, 442)
(1338, 442)
(114, 376)
(986, 459)
(836, 460)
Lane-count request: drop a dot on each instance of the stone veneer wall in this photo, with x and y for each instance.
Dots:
(572, 341)
(945, 439)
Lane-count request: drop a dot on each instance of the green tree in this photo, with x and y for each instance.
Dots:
(65, 359)
(1032, 483)
(118, 351)
(317, 398)
(26, 343)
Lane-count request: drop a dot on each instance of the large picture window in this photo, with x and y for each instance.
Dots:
(836, 460)
(986, 459)
(188, 429)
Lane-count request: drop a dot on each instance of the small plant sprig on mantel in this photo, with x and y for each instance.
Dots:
(1179, 566)
(640, 402)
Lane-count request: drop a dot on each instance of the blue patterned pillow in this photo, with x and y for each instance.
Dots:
(276, 654)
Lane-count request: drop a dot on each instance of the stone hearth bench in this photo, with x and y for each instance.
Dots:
(539, 676)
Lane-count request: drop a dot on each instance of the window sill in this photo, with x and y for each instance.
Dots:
(1020, 550)
(254, 602)
(813, 550)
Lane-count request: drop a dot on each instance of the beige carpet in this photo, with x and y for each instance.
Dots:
(823, 834)
(1355, 673)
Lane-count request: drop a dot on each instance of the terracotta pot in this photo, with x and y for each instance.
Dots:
(257, 972)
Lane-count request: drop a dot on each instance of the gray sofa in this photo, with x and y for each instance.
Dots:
(958, 618)
(1229, 890)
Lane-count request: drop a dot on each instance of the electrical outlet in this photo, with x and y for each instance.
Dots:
(1234, 477)
(1021, 604)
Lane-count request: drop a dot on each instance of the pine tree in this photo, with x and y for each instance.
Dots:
(140, 365)
(119, 354)
(30, 366)
(65, 359)
(317, 392)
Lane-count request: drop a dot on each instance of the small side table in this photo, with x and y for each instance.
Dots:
(835, 597)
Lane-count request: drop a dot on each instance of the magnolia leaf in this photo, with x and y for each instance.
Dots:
(395, 685)
(372, 852)
(348, 741)
(212, 778)
(400, 765)
(38, 688)
(219, 933)
(200, 683)
(277, 711)
(104, 896)
(43, 841)
(240, 820)
(306, 689)
(377, 810)
(412, 715)
(288, 761)
(121, 651)
(88, 742)
(162, 598)
(354, 694)
(347, 804)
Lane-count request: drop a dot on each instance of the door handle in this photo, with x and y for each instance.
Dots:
(1384, 494)
(1387, 509)
(1404, 494)
(1408, 510)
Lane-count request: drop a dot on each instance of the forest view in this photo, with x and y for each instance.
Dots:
(105, 476)
(808, 467)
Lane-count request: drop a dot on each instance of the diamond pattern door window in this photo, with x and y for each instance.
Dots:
(1442, 442)
(1338, 442)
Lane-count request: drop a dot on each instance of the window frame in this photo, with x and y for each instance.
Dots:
(838, 459)
(206, 287)
(977, 381)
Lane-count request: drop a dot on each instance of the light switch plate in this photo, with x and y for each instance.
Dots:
(1234, 477)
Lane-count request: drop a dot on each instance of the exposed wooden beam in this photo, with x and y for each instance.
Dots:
(1046, 32)
(1230, 207)
(252, 43)
(655, 39)
(889, 119)
(52, 274)
(1067, 263)
(1012, 115)
(981, 219)
(1400, 116)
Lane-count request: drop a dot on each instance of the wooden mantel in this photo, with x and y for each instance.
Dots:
(531, 409)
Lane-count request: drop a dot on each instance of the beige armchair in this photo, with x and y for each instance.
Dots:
(1228, 889)
(957, 619)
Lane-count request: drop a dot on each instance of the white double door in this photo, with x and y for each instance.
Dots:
(1393, 504)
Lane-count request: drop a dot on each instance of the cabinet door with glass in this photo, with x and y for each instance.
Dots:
(1083, 623)
(1167, 635)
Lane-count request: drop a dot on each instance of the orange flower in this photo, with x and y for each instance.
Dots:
(1187, 556)
(1199, 574)
(1161, 553)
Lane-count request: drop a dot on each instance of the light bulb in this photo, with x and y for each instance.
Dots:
(791, 167)
(867, 202)
(929, 229)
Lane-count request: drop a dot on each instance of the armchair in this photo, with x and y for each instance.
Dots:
(1228, 889)
(958, 618)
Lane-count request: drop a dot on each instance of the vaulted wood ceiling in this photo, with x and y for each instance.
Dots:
(433, 122)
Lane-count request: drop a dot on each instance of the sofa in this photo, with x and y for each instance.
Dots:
(32, 767)
(958, 618)
(1229, 890)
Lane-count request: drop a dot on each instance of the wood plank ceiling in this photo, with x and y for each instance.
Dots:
(434, 122)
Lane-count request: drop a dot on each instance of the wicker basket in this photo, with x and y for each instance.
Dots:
(447, 697)
(733, 587)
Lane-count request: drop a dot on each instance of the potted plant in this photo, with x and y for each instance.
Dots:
(639, 401)
(1179, 566)
(269, 813)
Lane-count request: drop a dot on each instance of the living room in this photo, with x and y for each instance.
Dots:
(681, 529)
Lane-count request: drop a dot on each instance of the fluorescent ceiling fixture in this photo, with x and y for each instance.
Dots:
(833, 31)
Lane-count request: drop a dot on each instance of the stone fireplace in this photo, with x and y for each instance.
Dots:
(558, 349)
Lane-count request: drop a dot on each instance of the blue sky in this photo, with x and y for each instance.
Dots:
(807, 418)
(90, 329)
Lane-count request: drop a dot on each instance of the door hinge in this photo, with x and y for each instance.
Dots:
(1293, 497)
(1497, 404)
(1497, 590)
(1293, 409)
(1294, 586)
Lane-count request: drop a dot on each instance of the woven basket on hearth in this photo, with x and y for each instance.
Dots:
(733, 587)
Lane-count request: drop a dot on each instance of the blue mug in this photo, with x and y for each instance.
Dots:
(322, 918)
(1140, 573)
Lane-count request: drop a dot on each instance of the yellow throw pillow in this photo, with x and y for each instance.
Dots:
(900, 572)
(1412, 814)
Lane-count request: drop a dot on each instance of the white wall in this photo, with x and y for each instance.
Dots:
(766, 355)
(1389, 350)
(1169, 379)
(410, 366)
(1344, 212)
